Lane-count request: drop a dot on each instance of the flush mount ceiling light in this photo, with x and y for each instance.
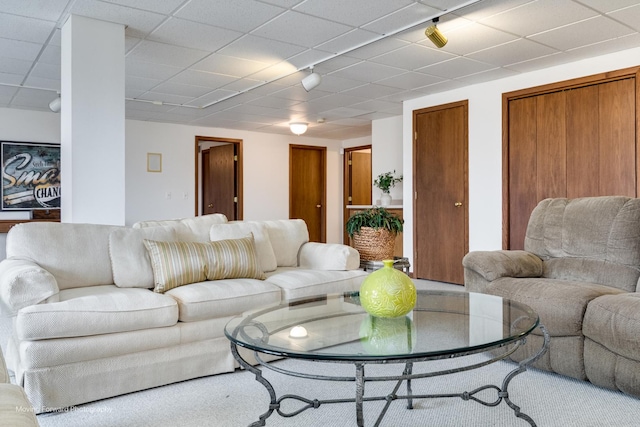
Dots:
(311, 81)
(435, 35)
(298, 128)
(55, 104)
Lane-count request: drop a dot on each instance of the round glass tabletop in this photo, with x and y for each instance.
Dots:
(336, 327)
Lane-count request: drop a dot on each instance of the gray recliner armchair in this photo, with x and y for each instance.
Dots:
(579, 271)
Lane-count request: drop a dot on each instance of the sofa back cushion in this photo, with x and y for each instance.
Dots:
(194, 229)
(236, 230)
(593, 239)
(129, 257)
(287, 236)
(76, 255)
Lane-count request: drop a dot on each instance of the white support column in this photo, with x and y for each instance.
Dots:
(92, 122)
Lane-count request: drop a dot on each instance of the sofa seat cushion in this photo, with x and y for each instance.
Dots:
(613, 321)
(220, 298)
(561, 304)
(301, 283)
(96, 310)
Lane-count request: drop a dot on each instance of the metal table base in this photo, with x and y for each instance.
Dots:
(502, 393)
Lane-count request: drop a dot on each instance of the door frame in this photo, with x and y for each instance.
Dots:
(323, 215)
(345, 187)
(239, 174)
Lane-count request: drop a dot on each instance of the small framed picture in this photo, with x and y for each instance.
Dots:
(154, 162)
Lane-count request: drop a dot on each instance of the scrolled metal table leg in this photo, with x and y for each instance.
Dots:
(359, 394)
(273, 405)
(407, 371)
(522, 366)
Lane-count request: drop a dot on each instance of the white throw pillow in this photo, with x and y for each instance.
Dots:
(236, 230)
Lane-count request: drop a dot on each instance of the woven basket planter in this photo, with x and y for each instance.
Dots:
(374, 245)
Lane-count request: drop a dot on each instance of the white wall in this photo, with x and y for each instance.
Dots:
(386, 154)
(485, 141)
(265, 166)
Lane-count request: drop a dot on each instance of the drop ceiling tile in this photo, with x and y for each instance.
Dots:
(371, 91)
(352, 12)
(229, 65)
(629, 16)
(413, 57)
(190, 113)
(347, 41)
(10, 78)
(241, 85)
(582, 33)
(262, 111)
(238, 114)
(297, 93)
(46, 71)
(146, 106)
(277, 71)
(539, 16)
(160, 53)
(165, 6)
(139, 83)
(33, 98)
(486, 8)
(130, 43)
(456, 68)
(334, 83)
(335, 63)
(239, 15)
(165, 97)
(51, 54)
(49, 10)
(261, 50)
(8, 91)
(410, 80)
(149, 70)
(368, 72)
(272, 102)
(283, 3)
(485, 76)
(472, 38)
(379, 105)
(512, 52)
(26, 29)
(213, 96)
(307, 58)
(309, 31)
(192, 34)
(182, 89)
(407, 17)
(19, 50)
(43, 83)
(334, 101)
(139, 22)
(378, 48)
(608, 5)
(202, 78)
(14, 66)
(133, 93)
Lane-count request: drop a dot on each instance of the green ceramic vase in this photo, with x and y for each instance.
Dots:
(380, 336)
(388, 292)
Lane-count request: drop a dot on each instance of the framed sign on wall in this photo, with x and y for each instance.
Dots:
(30, 176)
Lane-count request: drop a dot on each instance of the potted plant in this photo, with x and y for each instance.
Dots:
(385, 182)
(373, 232)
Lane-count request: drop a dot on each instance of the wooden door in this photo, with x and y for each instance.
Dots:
(440, 182)
(307, 188)
(357, 181)
(573, 141)
(219, 181)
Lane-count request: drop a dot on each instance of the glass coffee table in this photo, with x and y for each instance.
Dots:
(335, 329)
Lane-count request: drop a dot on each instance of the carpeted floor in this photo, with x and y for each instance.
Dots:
(236, 399)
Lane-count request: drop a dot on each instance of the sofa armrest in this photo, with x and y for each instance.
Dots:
(328, 256)
(24, 283)
(492, 265)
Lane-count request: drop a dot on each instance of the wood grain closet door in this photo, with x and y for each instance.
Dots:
(575, 142)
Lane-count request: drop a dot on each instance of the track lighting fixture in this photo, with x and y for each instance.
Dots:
(55, 104)
(311, 81)
(298, 128)
(435, 35)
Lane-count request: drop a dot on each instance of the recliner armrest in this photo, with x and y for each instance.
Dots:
(24, 283)
(328, 256)
(492, 265)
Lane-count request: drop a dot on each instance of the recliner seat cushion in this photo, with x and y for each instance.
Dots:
(96, 310)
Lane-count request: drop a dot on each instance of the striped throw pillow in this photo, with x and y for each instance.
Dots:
(180, 263)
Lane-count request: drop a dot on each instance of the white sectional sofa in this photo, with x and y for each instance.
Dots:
(87, 324)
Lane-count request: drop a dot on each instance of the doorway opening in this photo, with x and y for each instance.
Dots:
(357, 181)
(218, 177)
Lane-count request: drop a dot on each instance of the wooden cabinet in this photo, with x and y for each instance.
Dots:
(394, 209)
